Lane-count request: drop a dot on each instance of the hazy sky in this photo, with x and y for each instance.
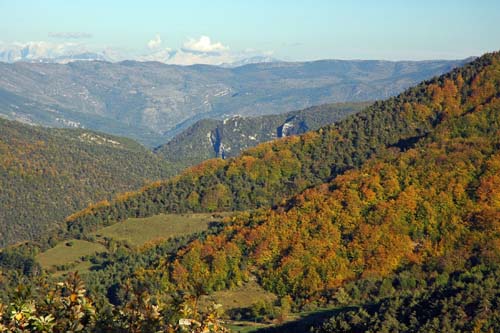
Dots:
(285, 29)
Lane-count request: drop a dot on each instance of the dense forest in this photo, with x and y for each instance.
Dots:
(436, 199)
(389, 217)
(465, 301)
(45, 174)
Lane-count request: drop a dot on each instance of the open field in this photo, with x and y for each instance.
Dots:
(295, 323)
(79, 266)
(68, 252)
(245, 327)
(138, 231)
(241, 297)
(135, 231)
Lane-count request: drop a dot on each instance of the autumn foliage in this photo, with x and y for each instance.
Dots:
(437, 199)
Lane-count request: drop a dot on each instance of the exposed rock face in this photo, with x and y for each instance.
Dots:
(211, 138)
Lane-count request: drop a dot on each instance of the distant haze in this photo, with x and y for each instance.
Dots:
(224, 32)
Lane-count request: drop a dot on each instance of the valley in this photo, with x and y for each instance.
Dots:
(357, 225)
(237, 166)
(151, 102)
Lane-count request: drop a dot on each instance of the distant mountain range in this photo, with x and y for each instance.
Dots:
(250, 61)
(151, 102)
(63, 53)
(48, 53)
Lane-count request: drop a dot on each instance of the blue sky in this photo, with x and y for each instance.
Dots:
(290, 30)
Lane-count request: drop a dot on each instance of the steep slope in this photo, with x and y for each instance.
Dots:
(266, 175)
(408, 240)
(151, 102)
(420, 216)
(209, 138)
(438, 199)
(47, 173)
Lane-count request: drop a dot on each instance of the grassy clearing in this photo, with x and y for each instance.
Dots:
(68, 252)
(298, 323)
(80, 267)
(250, 293)
(295, 323)
(67, 255)
(245, 327)
(241, 297)
(138, 231)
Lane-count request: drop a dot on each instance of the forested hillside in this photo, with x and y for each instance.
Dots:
(432, 205)
(45, 174)
(421, 201)
(210, 138)
(269, 173)
(437, 199)
(466, 301)
(389, 218)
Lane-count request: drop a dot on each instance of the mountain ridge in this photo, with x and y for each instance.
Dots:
(284, 167)
(387, 211)
(147, 100)
(433, 201)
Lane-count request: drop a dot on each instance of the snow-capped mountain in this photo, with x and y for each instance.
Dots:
(48, 52)
(62, 53)
(250, 60)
